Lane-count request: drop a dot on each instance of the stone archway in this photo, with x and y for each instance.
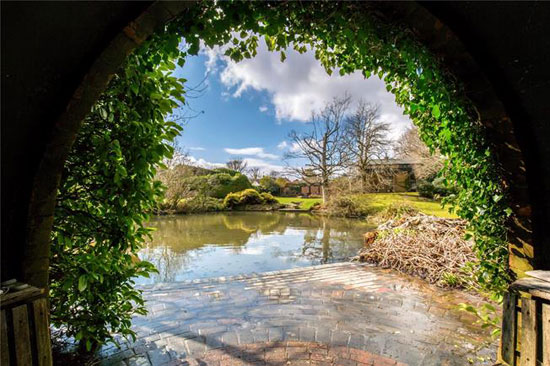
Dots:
(511, 141)
(506, 88)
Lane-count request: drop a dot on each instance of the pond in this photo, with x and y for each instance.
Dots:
(233, 243)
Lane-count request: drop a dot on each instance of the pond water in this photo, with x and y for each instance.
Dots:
(226, 244)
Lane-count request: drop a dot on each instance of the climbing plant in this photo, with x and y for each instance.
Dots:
(105, 193)
(347, 37)
(108, 181)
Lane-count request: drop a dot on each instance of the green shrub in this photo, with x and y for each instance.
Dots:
(225, 171)
(250, 197)
(441, 189)
(231, 200)
(269, 185)
(203, 204)
(436, 188)
(221, 184)
(345, 206)
(181, 206)
(396, 210)
(268, 197)
(164, 205)
(425, 189)
(216, 185)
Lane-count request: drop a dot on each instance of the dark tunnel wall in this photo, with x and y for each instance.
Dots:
(47, 47)
(510, 42)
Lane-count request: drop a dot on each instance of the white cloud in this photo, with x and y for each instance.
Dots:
(196, 148)
(300, 85)
(293, 147)
(203, 163)
(213, 56)
(263, 108)
(251, 151)
(265, 166)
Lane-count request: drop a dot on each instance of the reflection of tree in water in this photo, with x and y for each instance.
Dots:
(167, 262)
(184, 233)
(317, 245)
(333, 240)
(177, 239)
(252, 222)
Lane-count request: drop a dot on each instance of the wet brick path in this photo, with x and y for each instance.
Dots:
(335, 314)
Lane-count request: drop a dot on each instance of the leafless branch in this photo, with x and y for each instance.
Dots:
(322, 146)
(237, 164)
(365, 141)
(411, 146)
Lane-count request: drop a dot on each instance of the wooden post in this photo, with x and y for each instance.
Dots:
(533, 344)
(24, 325)
(21, 335)
(5, 352)
(509, 329)
(545, 334)
(528, 355)
(42, 331)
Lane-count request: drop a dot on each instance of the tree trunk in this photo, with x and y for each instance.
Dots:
(325, 240)
(363, 182)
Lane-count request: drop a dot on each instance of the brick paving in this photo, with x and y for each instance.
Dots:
(334, 314)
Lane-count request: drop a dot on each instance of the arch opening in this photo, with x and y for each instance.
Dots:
(436, 112)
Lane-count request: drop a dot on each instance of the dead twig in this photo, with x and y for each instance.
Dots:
(429, 247)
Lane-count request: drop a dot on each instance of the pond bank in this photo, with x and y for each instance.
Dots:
(365, 205)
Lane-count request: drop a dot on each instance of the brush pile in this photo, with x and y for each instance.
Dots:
(425, 246)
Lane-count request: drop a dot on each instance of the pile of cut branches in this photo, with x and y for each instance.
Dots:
(425, 246)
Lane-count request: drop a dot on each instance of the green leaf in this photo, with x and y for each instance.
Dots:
(436, 112)
(103, 113)
(82, 283)
(135, 88)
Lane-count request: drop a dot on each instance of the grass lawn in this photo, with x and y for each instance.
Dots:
(376, 202)
(306, 203)
(372, 203)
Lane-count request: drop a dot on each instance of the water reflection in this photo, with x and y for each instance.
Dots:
(226, 244)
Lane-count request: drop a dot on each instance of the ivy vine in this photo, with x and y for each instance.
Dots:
(347, 37)
(108, 181)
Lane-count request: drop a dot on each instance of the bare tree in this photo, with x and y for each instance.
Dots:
(254, 173)
(322, 147)
(174, 170)
(365, 141)
(274, 174)
(180, 156)
(237, 164)
(411, 146)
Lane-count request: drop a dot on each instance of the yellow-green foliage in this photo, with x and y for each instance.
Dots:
(377, 202)
(305, 203)
(268, 197)
(369, 204)
(199, 204)
(216, 184)
(181, 205)
(231, 200)
(247, 197)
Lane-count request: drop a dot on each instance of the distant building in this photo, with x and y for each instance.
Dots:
(392, 175)
(310, 190)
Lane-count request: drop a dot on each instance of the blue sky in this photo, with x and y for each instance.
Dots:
(251, 106)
